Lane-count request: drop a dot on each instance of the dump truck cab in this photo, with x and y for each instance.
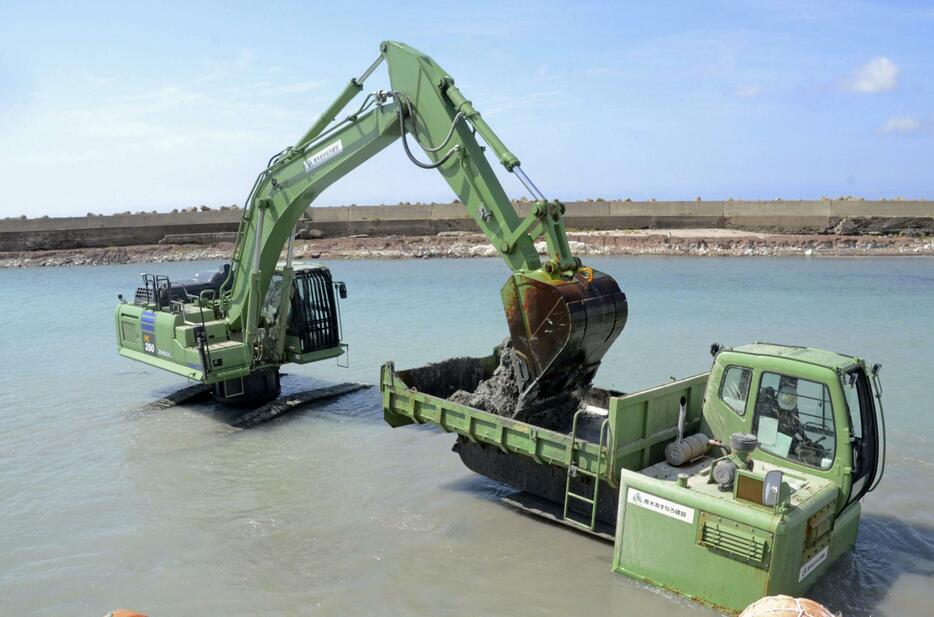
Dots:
(770, 508)
(812, 411)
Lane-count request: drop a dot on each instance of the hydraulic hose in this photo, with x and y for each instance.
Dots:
(403, 107)
(450, 134)
(228, 281)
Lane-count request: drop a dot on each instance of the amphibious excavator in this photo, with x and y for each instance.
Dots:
(562, 315)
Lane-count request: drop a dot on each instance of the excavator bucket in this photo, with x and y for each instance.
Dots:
(560, 331)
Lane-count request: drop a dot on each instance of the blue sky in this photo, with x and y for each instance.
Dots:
(142, 106)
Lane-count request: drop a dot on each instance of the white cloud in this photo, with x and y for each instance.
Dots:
(295, 88)
(748, 90)
(244, 58)
(225, 68)
(877, 75)
(900, 124)
(479, 29)
(533, 100)
(187, 141)
(267, 88)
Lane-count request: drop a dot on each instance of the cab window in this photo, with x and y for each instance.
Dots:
(270, 307)
(794, 420)
(853, 404)
(734, 388)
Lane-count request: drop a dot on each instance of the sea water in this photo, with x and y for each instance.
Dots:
(330, 512)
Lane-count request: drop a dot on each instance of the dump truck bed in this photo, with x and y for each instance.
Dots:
(409, 398)
(612, 432)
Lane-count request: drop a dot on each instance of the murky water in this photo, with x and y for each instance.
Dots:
(330, 512)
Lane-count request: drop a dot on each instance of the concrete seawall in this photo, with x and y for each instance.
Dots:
(114, 230)
(796, 217)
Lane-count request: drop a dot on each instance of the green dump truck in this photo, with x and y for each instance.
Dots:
(724, 487)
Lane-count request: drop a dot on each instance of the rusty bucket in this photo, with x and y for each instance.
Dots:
(561, 329)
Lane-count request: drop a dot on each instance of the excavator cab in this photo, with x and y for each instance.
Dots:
(311, 332)
(179, 327)
(314, 323)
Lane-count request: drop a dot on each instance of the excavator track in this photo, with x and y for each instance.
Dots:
(285, 404)
(539, 487)
(201, 393)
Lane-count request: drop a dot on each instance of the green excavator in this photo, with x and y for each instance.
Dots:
(234, 330)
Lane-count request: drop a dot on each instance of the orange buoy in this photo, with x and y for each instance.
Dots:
(786, 606)
(122, 612)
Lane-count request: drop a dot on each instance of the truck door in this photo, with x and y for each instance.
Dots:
(864, 432)
(729, 389)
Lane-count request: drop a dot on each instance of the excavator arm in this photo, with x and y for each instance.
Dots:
(284, 191)
(562, 315)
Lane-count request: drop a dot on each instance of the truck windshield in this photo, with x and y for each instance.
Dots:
(794, 420)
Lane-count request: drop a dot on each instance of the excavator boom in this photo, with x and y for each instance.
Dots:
(562, 316)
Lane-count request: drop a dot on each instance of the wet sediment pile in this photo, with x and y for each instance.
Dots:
(500, 394)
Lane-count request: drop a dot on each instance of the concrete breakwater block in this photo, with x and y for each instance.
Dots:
(200, 238)
(805, 217)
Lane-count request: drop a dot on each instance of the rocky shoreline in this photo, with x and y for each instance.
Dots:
(456, 245)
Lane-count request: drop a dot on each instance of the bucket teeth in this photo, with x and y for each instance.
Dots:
(561, 330)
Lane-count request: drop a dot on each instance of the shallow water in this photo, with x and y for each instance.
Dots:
(330, 512)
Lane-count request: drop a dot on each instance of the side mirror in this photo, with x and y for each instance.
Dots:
(876, 368)
(341, 290)
(772, 488)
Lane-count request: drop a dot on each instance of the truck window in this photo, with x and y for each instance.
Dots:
(853, 404)
(734, 390)
(794, 420)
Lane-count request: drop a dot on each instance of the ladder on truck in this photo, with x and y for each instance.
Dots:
(575, 470)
